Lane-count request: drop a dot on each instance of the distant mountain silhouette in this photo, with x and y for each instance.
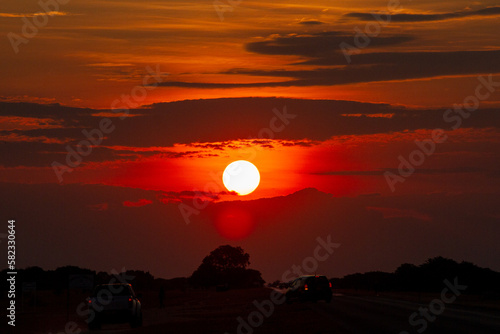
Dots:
(375, 232)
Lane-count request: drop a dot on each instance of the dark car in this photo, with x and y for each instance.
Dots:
(114, 303)
(311, 287)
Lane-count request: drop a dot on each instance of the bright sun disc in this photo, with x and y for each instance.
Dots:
(241, 176)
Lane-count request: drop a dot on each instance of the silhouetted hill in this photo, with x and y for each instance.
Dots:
(375, 232)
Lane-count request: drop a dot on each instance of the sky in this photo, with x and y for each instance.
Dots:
(373, 122)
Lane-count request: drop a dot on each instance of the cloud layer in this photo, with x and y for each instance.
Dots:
(408, 17)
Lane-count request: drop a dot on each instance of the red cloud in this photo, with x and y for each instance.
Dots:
(139, 203)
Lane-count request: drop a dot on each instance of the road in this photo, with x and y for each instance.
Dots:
(345, 314)
(235, 311)
(350, 314)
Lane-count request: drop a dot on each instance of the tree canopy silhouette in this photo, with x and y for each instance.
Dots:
(427, 277)
(227, 257)
(226, 265)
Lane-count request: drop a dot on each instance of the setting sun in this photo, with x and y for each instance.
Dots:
(245, 166)
(241, 176)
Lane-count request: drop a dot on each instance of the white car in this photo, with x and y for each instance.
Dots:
(114, 303)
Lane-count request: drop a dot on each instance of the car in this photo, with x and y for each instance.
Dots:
(114, 303)
(309, 288)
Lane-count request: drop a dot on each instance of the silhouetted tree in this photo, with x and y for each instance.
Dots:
(205, 276)
(428, 277)
(227, 257)
(274, 284)
(141, 280)
(407, 275)
(226, 265)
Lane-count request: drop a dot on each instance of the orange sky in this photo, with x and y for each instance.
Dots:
(92, 52)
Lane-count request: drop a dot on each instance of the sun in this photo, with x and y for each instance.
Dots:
(241, 176)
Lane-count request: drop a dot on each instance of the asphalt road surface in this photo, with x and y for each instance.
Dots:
(252, 311)
(345, 314)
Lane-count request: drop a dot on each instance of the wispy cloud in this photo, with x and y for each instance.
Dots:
(27, 123)
(139, 203)
(370, 67)
(391, 115)
(187, 195)
(456, 170)
(51, 13)
(14, 137)
(414, 17)
(310, 22)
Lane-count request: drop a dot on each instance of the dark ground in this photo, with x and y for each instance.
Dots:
(217, 312)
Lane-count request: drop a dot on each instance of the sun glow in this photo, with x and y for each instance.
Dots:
(241, 176)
